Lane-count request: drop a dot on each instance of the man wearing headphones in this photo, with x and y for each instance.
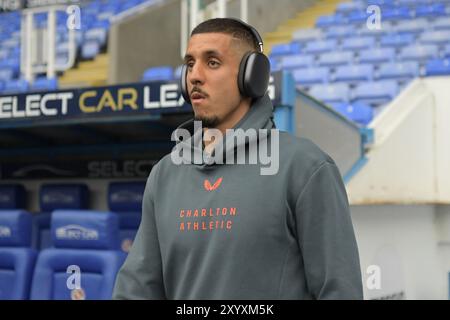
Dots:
(219, 228)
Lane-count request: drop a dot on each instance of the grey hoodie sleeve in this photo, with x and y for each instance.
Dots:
(141, 275)
(326, 237)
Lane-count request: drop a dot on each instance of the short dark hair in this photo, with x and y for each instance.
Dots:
(228, 26)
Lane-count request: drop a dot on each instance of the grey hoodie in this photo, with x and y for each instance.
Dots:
(221, 231)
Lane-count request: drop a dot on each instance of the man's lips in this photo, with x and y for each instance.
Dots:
(197, 96)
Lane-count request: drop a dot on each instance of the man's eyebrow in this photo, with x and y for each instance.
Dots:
(187, 57)
(206, 53)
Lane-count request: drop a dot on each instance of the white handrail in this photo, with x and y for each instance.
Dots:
(50, 67)
(184, 27)
(51, 22)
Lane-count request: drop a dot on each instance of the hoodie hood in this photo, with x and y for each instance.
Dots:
(259, 116)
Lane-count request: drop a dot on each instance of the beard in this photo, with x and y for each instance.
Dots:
(208, 122)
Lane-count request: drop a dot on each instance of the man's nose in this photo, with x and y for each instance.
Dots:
(196, 74)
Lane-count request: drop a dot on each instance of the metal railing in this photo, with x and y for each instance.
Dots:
(38, 45)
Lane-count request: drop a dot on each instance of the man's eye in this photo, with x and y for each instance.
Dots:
(213, 64)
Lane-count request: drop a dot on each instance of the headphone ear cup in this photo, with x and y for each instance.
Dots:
(183, 84)
(241, 74)
(254, 74)
(257, 74)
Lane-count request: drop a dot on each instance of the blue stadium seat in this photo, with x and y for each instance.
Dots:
(441, 23)
(162, 73)
(10, 43)
(398, 70)
(11, 63)
(419, 52)
(435, 37)
(412, 26)
(354, 73)
(125, 198)
(53, 197)
(397, 40)
(335, 58)
(377, 55)
(397, 13)
(88, 240)
(16, 86)
(90, 49)
(360, 113)
(296, 61)
(431, 10)
(438, 67)
(330, 21)
(304, 35)
(358, 43)
(331, 93)
(105, 15)
(341, 31)
(17, 259)
(386, 28)
(348, 7)
(44, 84)
(4, 53)
(320, 46)
(293, 47)
(308, 76)
(375, 93)
(63, 196)
(12, 196)
(97, 34)
(412, 3)
(446, 51)
(358, 16)
(382, 3)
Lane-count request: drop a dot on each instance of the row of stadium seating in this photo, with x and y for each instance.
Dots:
(37, 249)
(354, 12)
(124, 198)
(91, 39)
(81, 264)
(357, 69)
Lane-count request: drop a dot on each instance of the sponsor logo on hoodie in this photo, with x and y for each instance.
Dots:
(211, 187)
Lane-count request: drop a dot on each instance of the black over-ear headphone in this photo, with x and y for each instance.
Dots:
(254, 71)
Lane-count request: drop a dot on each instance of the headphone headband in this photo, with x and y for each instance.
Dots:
(253, 31)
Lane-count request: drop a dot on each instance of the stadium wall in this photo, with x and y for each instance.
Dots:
(403, 240)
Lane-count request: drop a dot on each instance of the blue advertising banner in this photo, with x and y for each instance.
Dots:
(124, 102)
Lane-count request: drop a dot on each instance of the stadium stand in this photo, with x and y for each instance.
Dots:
(412, 42)
(91, 42)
